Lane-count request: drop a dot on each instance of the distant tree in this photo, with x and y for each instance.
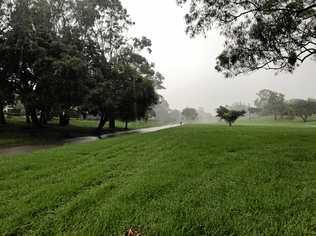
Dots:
(302, 108)
(230, 116)
(276, 35)
(175, 115)
(270, 102)
(312, 101)
(253, 111)
(162, 110)
(239, 106)
(190, 114)
(203, 116)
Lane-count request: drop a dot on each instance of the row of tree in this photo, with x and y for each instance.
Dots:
(62, 55)
(163, 113)
(275, 104)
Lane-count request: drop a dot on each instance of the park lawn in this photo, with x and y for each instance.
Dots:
(269, 121)
(191, 180)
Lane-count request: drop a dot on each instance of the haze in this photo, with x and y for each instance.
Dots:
(188, 64)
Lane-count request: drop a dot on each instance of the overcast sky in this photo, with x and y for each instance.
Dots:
(188, 64)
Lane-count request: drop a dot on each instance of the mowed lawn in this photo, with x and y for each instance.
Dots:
(191, 180)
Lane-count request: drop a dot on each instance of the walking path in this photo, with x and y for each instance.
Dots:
(31, 148)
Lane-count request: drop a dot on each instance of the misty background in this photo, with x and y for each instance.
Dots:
(188, 64)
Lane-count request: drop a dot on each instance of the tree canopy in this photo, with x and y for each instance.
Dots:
(260, 34)
(303, 109)
(190, 114)
(63, 55)
(230, 116)
(270, 103)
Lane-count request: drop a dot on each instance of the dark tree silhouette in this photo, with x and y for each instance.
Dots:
(230, 116)
(190, 114)
(277, 35)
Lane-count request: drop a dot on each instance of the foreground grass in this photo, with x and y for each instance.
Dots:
(192, 180)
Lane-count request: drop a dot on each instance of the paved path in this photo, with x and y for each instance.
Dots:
(31, 148)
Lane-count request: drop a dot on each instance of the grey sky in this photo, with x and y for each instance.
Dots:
(188, 64)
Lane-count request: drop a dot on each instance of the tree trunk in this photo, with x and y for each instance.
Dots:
(112, 123)
(230, 124)
(27, 115)
(304, 118)
(101, 122)
(43, 118)
(275, 116)
(84, 115)
(34, 118)
(2, 117)
(28, 119)
(126, 125)
(64, 119)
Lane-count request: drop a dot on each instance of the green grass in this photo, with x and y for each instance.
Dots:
(191, 180)
(269, 121)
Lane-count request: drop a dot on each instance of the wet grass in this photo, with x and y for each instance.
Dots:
(191, 180)
(269, 121)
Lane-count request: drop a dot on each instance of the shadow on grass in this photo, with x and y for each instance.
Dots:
(19, 133)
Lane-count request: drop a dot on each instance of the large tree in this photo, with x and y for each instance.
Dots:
(190, 114)
(278, 34)
(44, 52)
(270, 103)
(138, 93)
(65, 55)
(303, 109)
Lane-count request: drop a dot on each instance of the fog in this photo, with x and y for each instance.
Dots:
(188, 64)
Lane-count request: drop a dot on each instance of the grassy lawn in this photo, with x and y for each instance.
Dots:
(191, 180)
(269, 121)
(17, 132)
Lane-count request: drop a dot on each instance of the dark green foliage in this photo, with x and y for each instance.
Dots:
(277, 35)
(57, 57)
(230, 116)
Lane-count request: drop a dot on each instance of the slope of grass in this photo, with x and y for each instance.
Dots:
(191, 180)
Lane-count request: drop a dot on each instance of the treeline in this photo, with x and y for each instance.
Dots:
(275, 104)
(57, 56)
(164, 113)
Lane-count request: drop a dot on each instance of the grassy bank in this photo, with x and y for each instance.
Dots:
(192, 180)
